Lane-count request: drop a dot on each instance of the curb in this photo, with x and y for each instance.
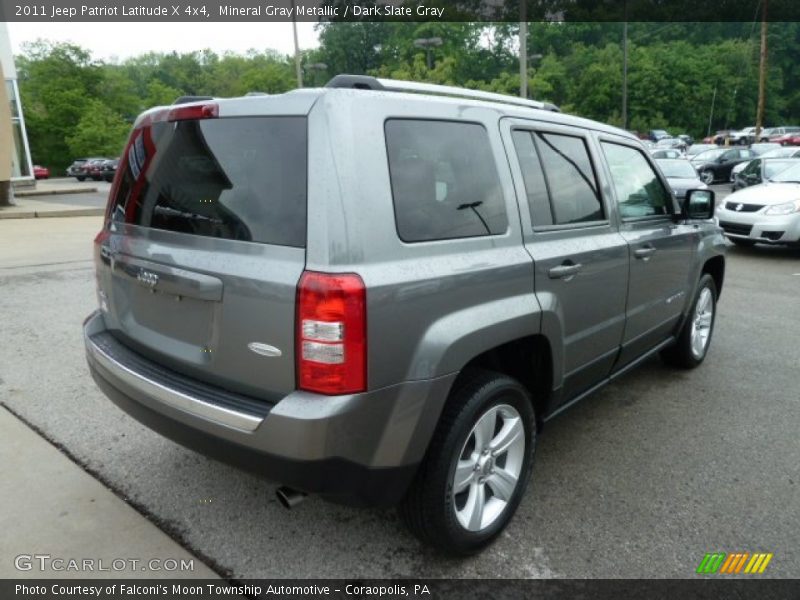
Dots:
(73, 212)
(54, 191)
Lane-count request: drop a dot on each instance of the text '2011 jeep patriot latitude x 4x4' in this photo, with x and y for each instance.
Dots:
(378, 291)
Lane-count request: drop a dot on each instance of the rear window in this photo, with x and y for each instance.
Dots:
(444, 180)
(237, 178)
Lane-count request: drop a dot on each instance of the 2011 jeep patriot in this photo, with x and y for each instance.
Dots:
(378, 291)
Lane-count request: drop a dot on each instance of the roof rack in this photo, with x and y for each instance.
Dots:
(365, 82)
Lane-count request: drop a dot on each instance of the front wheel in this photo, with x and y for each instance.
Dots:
(707, 176)
(695, 338)
(477, 466)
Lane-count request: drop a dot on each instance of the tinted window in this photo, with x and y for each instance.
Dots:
(238, 179)
(639, 191)
(444, 180)
(570, 178)
(535, 186)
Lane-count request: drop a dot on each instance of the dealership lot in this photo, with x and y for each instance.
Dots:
(640, 480)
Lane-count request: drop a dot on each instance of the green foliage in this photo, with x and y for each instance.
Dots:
(99, 132)
(75, 105)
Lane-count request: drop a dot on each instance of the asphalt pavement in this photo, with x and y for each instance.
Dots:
(640, 480)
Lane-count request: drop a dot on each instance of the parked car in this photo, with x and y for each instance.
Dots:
(40, 172)
(671, 142)
(94, 168)
(76, 168)
(661, 153)
(108, 169)
(763, 147)
(687, 139)
(766, 150)
(657, 134)
(696, 149)
(789, 139)
(681, 176)
(742, 137)
(85, 168)
(767, 213)
(716, 165)
(718, 138)
(782, 152)
(760, 170)
(381, 328)
(782, 135)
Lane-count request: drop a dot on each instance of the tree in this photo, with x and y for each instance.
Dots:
(100, 132)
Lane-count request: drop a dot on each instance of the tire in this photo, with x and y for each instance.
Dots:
(707, 176)
(81, 178)
(742, 243)
(686, 353)
(432, 511)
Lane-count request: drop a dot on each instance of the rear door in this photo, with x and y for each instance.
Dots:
(205, 245)
(661, 248)
(580, 259)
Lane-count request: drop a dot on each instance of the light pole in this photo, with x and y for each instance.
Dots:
(297, 69)
(428, 44)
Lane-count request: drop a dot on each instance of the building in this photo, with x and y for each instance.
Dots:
(21, 168)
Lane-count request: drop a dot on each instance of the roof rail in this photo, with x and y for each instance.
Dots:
(365, 82)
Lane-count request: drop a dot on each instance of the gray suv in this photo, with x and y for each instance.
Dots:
(378, 291)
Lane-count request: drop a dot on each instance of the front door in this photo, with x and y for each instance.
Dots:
(661, 248)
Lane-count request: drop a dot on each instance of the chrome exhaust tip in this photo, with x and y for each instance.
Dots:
(288, 497)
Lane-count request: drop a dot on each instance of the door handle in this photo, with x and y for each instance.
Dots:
(644, 253)
(565, 272)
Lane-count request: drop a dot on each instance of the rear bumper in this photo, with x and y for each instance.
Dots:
(358, 449)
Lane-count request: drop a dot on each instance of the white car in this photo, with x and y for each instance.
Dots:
(767, 213)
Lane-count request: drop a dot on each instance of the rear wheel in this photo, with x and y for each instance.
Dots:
(477, 466)
(80, 178)
(695, 338)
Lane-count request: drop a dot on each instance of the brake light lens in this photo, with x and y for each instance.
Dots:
(193, 111)
(331, 340)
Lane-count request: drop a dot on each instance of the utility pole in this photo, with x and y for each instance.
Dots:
(625, 66)
(297, 68)
(711, 113)
(523, 49)
(762, 73)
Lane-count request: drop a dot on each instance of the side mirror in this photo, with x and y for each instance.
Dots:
(699, 204)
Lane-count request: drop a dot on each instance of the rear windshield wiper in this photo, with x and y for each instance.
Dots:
(473, 206)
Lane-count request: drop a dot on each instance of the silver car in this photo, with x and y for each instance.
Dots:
(379, 291)
(767, 213)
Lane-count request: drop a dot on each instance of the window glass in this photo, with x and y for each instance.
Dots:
(640, 192)
(238, 178)
(535, 186)
(444, 180)
(754, 166)
(570, 178)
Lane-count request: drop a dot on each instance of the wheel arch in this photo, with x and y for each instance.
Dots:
(528, 360)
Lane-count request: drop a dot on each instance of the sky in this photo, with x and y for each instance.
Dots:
(107, 41)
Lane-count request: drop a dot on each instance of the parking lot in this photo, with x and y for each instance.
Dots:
(640, 480)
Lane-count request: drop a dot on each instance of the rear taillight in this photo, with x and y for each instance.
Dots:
(331, 339)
